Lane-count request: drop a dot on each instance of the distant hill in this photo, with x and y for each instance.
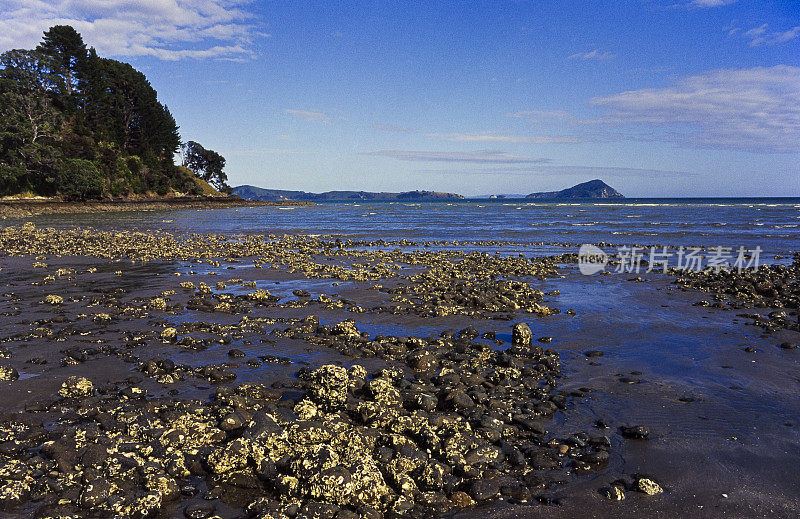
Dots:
(276, 195)
(592, 189)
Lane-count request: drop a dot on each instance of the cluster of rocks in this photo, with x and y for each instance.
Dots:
(478, 284)
(450, 423)
(770, 286)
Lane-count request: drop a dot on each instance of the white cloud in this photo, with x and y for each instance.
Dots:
(309, 115)
(595, 54)
(478, 157)
(516, 139)
(755, 109)
(164, 29)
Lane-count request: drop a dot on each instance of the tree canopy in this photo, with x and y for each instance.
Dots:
(81, 126)
(207, 164)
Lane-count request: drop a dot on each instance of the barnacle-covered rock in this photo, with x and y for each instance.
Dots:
(8, 373)
(53, 299)
(329, 386)
(169, 335)
(76, 387)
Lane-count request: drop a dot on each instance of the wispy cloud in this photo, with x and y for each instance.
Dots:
(517, 139)
(478, 157)
(541, 114)
(711, 3)
(595, 54)
(755, 109)
(761, 35)
(309, 115)
(547, 169)
(164, 29)
(392, 128)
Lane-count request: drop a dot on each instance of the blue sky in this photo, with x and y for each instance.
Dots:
(657, 98)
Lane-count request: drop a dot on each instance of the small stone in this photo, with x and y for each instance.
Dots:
(53, 299)
(461, 499)
(613, 493)
(521, 335)
(158, 303)
(483, 489)
(788, 346)
(8, 373)
(169, 335)
(95, 493)
(76, 387)
(346, 328)
(638, 432)
(648, 486)
(189, 490)
(200, 510)
(232, 422)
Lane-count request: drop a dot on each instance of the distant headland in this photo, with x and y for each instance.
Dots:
(278, 195)
(586, 190)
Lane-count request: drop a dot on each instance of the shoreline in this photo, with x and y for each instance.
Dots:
(23, 208)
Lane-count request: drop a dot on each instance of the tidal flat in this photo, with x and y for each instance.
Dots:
(148, 374)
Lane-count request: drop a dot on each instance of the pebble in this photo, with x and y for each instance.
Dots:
(8, 373)
(76, 387)
(613, 493)
(648, 486)
(639, 432)
(199, 510)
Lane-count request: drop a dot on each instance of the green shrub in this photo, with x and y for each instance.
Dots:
(79, 179)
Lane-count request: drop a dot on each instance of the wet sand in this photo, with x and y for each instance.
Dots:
(723, 422)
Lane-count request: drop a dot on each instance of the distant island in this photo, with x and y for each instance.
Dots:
(591, 189)
(586, 190)
(278, 195)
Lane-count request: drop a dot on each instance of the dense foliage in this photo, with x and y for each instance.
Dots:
(80, 126)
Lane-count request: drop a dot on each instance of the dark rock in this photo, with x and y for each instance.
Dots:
(199, 510)
(529, 424)
(95, 493)
(483, 489)
(638, 432)
(232, 422)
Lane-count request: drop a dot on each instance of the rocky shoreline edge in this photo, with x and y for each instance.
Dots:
(25, 207)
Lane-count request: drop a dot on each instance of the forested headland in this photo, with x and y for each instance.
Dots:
(78, 126)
